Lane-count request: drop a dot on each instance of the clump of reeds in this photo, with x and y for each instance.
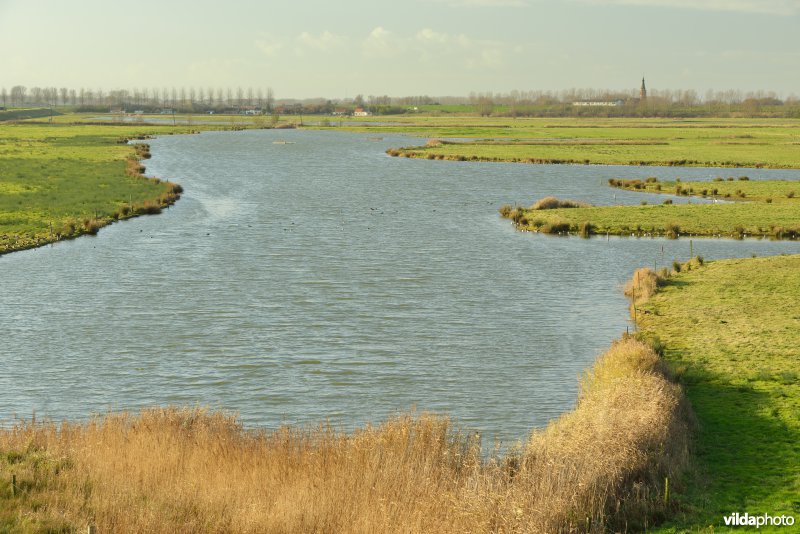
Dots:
(555, 227)
(644, 284)
(551, 202)
(92, 226)
(672, 231)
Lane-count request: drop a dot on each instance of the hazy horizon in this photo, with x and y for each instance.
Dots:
(434, 47)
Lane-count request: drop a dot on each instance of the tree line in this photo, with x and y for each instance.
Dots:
(533, 103)
(146, 98)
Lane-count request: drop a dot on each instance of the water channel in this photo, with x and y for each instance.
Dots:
(319, 279)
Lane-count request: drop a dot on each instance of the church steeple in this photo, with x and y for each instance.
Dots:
(643, 92)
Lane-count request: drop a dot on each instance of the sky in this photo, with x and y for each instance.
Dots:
(338, 49)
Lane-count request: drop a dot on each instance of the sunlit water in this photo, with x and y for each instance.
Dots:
(323, 280)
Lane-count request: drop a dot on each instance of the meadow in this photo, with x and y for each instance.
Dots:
(630, 456)
(672, 142)
(731, 335)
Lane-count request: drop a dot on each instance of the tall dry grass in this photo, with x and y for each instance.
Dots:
(599, 467)
(643, 284)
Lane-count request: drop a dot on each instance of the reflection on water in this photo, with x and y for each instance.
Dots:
(324, 280)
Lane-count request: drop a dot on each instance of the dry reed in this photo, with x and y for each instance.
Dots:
(598, 467)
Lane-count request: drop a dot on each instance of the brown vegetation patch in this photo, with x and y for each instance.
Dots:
(602, 466)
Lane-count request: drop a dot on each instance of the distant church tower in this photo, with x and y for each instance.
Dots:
(643, 92)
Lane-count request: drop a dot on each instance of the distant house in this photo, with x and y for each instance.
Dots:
(339, 111)
(167, 111)
(253, 112)
(361, 112)
(600, 103)
(117, 111)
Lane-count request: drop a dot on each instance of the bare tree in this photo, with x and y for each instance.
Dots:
(4, 96)
(270, 98)
(37, 95)
(250, 97)
(64, 95)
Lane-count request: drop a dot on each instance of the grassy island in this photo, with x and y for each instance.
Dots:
(746, 208)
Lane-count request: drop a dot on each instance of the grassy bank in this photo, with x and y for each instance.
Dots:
(62, 180)
(732, 330)
(778, 221)
(602, 466)
(713, 143)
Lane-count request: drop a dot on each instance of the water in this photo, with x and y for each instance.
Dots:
(324, 280)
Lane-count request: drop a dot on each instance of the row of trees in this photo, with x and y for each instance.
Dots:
(513, 103)
(183, 98)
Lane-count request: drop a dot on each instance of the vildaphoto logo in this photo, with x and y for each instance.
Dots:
(758, 521)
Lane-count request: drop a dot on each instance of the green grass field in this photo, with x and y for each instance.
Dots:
(732, 336)
(58, 181)
(692, 142)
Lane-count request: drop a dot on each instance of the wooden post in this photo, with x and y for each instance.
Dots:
(91, 530)
(666, 490)
(691, 249)
(13, 485)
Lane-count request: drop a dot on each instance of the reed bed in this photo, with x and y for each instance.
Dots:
(602, 466)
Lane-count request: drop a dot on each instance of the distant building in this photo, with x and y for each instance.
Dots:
(600, 103)
(643, 91)
(361, 112)
(253, 112)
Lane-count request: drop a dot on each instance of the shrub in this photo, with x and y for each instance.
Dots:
(744, 178)
(586, 229)
(790, 194)
(676, 266)
(667, 202)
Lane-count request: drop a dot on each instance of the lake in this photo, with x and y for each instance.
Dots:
(321, 280)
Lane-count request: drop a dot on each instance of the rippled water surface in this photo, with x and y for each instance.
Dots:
(323, 280)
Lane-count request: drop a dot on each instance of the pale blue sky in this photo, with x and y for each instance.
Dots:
(307, 48)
